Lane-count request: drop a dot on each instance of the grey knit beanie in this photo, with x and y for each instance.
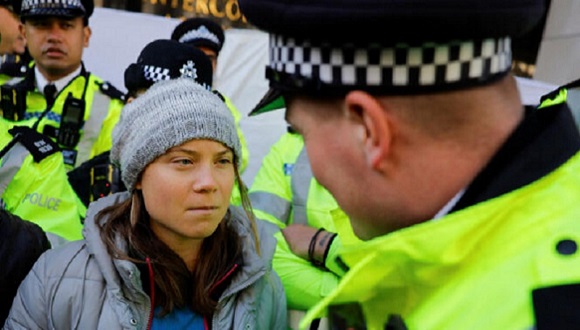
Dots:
(168, 114)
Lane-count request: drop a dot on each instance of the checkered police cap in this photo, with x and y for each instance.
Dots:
(59, 8)
(155, 73)
(165, 59)
(200, 31)
(376, 46)
(7, 3)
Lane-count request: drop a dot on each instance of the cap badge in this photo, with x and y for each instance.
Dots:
(188, 70)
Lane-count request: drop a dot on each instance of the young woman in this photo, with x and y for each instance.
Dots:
(170, 253)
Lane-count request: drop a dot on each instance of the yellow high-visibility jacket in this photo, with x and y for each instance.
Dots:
(103, 108)
(285, 192)
(34, 186)
(506, 258)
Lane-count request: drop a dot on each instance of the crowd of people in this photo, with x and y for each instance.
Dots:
(412, 189)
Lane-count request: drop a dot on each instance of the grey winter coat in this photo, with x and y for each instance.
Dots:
(80, 286)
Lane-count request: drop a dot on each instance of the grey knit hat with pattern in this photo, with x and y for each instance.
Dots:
(169, 114)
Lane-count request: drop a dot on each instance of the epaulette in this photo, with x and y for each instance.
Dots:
(13, 65)
(39, 145)
(554, 93)
(111, 91)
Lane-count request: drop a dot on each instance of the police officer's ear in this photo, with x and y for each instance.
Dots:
(373, 127)
(21, 30)
(87, 32)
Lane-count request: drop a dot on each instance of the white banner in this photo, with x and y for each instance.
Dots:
(119, 36)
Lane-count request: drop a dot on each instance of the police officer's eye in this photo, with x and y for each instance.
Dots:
(39, 23)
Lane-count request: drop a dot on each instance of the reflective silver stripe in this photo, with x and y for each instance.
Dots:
(13, 81)
(11, 163)
(301, 177)
(92, 127)
(272, 204)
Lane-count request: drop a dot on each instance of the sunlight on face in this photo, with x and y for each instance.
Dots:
(187, 190)
(56, 44)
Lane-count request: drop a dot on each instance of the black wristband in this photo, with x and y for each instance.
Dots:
(328, 247)
(311, 248)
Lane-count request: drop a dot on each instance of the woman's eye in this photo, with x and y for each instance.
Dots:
(184, 161)
(225, 161)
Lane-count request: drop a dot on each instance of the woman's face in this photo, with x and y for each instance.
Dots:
(187, 190)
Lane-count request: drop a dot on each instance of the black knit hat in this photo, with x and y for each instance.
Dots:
(59, 8)
(199, 31)
(165, 59)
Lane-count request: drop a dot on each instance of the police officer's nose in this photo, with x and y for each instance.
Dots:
(54, 33)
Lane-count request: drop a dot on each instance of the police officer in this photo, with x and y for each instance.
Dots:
(34, 185)
(14, 57)
(71, 105)
(11, 39)
(285, 192)
(209, 37)
(467, 208)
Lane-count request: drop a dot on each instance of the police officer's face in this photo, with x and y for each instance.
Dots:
(347, 148)
(56, 44)
(12, 39)
(211, 54)
(333, 143)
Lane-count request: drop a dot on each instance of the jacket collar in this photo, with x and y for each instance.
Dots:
(60, 84)
(253, 267)
(543, 141)
(28, 83)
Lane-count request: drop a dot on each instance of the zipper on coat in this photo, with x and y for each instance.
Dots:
(152, 292)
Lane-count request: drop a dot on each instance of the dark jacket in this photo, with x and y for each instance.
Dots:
(21, 243)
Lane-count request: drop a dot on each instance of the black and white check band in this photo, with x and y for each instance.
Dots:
(32, 4)
(200, 33)
(155, 73)
(427, 65)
